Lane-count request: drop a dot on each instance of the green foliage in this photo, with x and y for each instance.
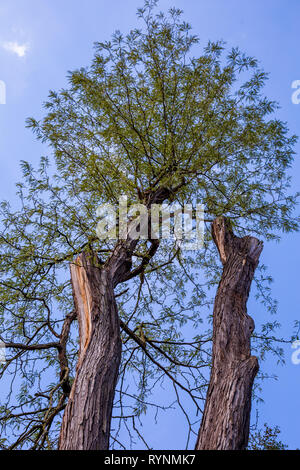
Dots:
(151, 111)
(266, 439)
(147, 113)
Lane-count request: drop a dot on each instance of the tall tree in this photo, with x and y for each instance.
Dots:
(151, 121)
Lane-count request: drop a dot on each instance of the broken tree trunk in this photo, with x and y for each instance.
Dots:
(87, 417)
(226, 417)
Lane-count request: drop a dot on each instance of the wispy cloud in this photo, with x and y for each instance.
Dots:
(16, 48)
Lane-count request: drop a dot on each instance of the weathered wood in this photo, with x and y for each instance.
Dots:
(87, 417)
(226, 417)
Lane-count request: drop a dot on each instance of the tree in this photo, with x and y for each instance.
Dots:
(151, 121)
(266, 439)
(226, 417)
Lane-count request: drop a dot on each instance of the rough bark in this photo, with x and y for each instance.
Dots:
(87, 417)
(226, 417)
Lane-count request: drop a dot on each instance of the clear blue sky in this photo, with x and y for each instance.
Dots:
(41, 40)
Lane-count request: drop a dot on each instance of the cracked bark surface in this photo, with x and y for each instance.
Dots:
(87, 417)
(226, 417)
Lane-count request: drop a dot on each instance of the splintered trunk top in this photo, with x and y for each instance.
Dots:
(87, 417)
(225, 422)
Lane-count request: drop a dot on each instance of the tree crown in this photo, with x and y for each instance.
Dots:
(146, 115)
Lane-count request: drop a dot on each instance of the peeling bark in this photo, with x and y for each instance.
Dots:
(226, 417)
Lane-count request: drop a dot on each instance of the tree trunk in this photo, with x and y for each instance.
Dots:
(87, 417)
(226, 417)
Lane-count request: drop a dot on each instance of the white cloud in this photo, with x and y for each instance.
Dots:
(16, 48)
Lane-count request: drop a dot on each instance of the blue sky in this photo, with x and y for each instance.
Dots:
(41, 40)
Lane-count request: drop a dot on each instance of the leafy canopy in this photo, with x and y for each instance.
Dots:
(147, 113)
(152, 111)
